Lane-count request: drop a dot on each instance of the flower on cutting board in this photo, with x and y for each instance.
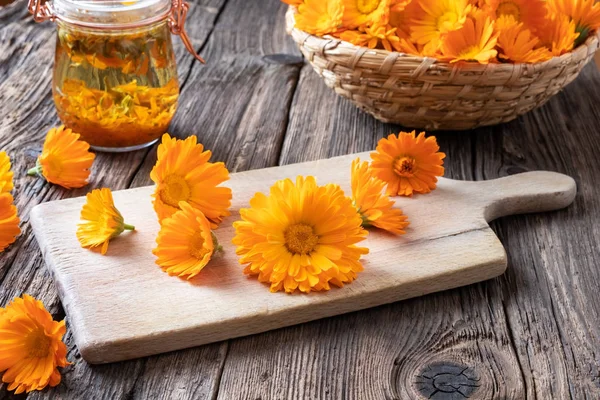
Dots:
(301, 237)
(183, 173)
(65, 160)
(9, 221)
(101, 221)
(31, 346)
(185, 243)
(375, 208)
(6, 175)
(408, 163)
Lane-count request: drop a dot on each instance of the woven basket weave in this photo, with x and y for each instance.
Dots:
(420, 92)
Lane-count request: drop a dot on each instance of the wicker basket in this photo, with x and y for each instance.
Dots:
(420, 92)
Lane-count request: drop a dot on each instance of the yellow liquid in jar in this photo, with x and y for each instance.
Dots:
(116, 89)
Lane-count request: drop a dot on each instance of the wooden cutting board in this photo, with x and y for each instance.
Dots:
(122, 306)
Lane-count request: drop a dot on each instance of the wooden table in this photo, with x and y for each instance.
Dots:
(532, 333)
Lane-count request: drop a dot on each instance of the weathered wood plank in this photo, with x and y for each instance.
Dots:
(27, 111)
(550, 294)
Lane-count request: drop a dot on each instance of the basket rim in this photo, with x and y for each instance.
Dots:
(592, 42)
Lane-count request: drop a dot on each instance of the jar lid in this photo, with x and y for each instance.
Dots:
(116, 14)
(108, 13)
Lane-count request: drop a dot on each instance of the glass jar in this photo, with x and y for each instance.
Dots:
(115, 77)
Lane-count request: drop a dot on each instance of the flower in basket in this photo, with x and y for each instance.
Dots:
(483, 31)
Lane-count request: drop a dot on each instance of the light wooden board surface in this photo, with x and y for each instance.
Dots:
(113, 301)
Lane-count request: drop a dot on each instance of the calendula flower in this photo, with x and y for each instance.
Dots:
(531, 13)
(401, 21)
(31, 346)
(320, 17)
(65, 160)
(399, 5)
(475, 41)
(9, 221)
(101, 221)
(373, 36)
(559, 35)
(375, 208)
(584, 13)
(518, 45)
(506, 21)
(183, 173)
(365, 12)
(433, 19)
(294, 3)
(6, 175)
(301, 236)
(185, 243)
(408, 163)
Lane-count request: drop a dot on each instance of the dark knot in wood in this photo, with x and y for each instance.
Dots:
(447, 381)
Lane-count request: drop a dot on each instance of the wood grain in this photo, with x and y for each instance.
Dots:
(530, 334)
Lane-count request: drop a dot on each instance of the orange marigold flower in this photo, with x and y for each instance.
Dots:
(9, 221)
(506, 21)
(365, 12)
(399, 5)
(101, 221)
(183, 173)
(584, 13)
(31, 346)
(6, 175)
(475, 41)
(375, 208)
(518, 46)
(559, 35)
(373, 36)
(532, 13)
(65, 160)
(185, 243)
(320, 17)
(408, 163)
(301, 236)
(432, 20)
(294, 3)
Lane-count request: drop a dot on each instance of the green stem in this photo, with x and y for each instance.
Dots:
(128, 227)
(218, 247)
(35, 170)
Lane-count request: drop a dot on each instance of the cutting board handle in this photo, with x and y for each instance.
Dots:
(526, 193)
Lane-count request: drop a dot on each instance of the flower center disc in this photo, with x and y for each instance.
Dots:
(509, 8)
(300, 239)
(37, 344)
(197, 248)
(404, 166)
(469, 53)
(175, 189)
(367, 6)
